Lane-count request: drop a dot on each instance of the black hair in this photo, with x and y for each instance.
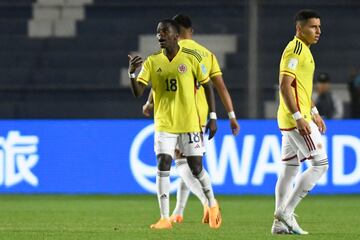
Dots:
(304, 14)
(183, 20)
(171, 22)
(323, 78)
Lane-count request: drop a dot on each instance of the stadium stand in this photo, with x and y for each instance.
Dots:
(64, 58)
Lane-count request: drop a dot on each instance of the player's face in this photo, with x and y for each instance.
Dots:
(166, 35)
(310, 30)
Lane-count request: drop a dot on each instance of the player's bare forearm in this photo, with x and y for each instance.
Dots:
(289, 99)
(211, 126)
(287, 94)
(137, 87)
(150, 97)
(210, 98)
(148, 107)
(312, 103)
(225, 97)
(223, 92)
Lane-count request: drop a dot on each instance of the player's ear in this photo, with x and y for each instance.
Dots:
(298, 27)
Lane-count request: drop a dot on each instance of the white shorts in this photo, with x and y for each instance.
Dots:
(297, 148)
(204, 149)
(189, 144)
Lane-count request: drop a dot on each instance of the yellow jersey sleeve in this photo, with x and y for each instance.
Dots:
(215, 68)
(201, 72)
(290, 62)
(145, 72)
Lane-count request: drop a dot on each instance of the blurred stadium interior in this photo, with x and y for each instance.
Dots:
(68, 58)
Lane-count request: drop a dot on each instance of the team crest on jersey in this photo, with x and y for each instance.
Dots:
(182, 68)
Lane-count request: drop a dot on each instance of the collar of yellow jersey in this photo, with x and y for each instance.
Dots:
(295, 37)
(180, 49)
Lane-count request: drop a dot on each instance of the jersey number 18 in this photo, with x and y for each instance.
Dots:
(171, 85)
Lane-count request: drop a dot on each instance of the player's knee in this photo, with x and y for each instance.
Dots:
(320, 165)
(164, 162)
(322, 169)
(197, 170)
(179, 163)
(195, 165)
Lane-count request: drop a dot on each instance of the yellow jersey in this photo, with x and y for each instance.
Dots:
(211, 63)
(174, 87)
(297, 62)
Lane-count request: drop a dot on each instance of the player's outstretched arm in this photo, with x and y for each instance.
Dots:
(289, 99)
(225, 97)
(211, 125)
(136, 87)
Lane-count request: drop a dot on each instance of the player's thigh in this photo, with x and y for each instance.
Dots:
(165, 143)
(191, 144)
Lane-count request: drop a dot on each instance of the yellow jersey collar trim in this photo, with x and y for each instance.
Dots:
(186, 40)
(295, 37)
(163, 54)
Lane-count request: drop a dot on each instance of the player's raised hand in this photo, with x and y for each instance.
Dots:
(211, 127)
(235, 128)
(303, 127)
(319, 122)
(134, 63)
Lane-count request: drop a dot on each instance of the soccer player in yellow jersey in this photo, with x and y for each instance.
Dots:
(300, 124)
(174, 72)
(210, 61)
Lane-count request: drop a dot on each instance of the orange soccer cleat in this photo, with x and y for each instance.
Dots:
(176, 219)
(205, 218)
(215, 218)
(161, 224)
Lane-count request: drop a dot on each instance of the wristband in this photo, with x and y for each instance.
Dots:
(296, 116)
(213, 115)
(231, 115)
(132, 75)
(147, 103)
(314, 110)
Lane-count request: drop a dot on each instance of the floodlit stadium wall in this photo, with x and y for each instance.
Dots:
(117, 157)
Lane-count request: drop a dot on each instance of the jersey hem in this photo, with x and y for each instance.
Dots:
(218, 73)
(288, 73)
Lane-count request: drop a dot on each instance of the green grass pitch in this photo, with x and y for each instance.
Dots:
(128, 217)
